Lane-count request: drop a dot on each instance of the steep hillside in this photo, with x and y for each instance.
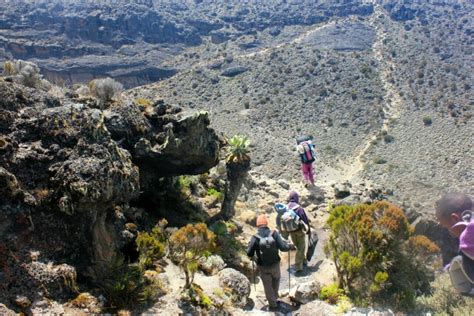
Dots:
(387, 97)
(76, 41)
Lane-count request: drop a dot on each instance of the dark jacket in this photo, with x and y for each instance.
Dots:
(253, 246)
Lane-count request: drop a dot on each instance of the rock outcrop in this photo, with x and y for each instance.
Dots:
(68, 173)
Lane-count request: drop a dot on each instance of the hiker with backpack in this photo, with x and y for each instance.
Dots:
(307, 154)
(454, 212)
(266, 244)
(292, 220)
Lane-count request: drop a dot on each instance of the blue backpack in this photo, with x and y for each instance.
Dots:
(289, 220)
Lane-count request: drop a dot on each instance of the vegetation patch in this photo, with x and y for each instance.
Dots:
(377, 258)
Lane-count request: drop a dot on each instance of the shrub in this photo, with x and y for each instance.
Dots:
(9, 68)
(83, 90)
(227, 245)
(376, 257)
(188, 245)
(331, 293)
(388, 138)
(143, 102)
(105, 89)
(197, 297)
(443, 299)
(379, 160)
(216, 193)
(123, 284)
(24, 72)
(427, 120)
(151, 246)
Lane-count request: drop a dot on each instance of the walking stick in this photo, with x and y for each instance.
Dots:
(289, 272)
(254, 277)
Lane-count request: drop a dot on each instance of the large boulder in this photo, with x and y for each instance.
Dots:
(237, 283)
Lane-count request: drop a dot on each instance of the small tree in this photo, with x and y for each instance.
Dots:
(188, 245)
(237, 165)
(376, 257)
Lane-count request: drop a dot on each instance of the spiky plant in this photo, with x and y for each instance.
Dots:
(239, 149)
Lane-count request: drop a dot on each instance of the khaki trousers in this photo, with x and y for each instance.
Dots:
(271, 282)
(299, 239)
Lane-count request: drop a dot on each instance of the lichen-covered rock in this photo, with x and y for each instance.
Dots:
(305, 292)
(238, 285)
(212, 264)
(57, 280)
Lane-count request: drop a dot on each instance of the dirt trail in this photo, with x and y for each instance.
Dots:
(392, 105)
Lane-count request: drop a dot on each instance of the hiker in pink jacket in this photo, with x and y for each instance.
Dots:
(454, 212)
(307, 154)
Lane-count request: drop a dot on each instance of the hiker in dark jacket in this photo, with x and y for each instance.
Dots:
(298, 236)
(266, 244)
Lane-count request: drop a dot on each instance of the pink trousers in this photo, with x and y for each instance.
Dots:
(307, 169)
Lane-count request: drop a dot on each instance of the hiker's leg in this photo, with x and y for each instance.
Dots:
(266, 276)
(276, 274)
(300, 248)
(311, 173)
(304, 170)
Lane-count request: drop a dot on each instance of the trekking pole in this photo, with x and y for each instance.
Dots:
(254, 277)
(289, 272)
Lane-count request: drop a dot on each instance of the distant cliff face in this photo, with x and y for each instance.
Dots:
(131, 42)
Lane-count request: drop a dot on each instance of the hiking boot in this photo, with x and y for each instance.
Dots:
(274, 308)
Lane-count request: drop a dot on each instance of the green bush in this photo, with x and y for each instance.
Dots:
(187, 183)
(216, 193)
(151, 246)
(331, 293)
(197, 297)
(376, 257)
(227, 244)
(427, 120)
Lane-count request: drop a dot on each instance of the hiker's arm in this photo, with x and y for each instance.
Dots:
(302, 214)
(304, 218)
(251, 247)
(466, 240)
(281, 244)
